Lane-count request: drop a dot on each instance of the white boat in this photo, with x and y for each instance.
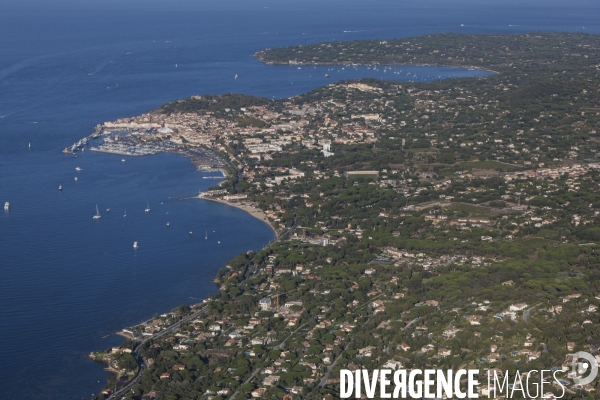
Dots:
(7, 206)
(218, 242)
(206, 236)
(122, 160)
(235, 76)
(168, 224)
(135, 245)
(124, 215)
(326, 75)
(97, 216)
(191, 233)
(75, 178)
(108, 210)
(60, 187)
(29, 145)
(147, 207)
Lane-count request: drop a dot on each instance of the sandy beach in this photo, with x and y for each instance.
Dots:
(254, 211)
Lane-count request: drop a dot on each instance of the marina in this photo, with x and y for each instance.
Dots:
(83, 291)
(134, 142)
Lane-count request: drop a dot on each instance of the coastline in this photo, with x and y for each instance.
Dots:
(253, 211)
(323, 64)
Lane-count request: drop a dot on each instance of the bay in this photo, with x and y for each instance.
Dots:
(66, 281)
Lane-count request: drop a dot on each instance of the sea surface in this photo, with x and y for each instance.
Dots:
(68, 282)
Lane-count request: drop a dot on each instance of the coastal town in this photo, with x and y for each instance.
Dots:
(448, 225)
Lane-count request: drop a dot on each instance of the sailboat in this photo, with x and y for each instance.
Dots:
(60, 187)
(97, 216)
(147, 207)
(168, 224)
(29, 145)
(124, 215)
(206, 236)
(235, 76)
(7, 206)
(135, 245)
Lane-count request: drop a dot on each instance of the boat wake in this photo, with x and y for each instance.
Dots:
(361, 30)
(98, 68)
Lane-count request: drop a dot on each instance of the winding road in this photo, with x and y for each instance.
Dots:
(141, 362)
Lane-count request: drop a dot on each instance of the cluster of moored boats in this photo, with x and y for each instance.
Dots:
(78, 145)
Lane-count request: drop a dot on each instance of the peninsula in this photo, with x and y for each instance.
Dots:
(449, 225)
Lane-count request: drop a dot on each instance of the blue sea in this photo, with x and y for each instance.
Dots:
(67, 282)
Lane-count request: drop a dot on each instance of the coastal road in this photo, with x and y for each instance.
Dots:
(284, 234)
(141, 362)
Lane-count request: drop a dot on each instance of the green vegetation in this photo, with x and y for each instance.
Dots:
(474, 247)
(244, 121)
(212, 103)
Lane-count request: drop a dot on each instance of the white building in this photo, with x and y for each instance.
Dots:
(327, 150)
(265, 304)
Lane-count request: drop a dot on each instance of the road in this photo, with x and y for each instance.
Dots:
(527, 312)
(141, 362)
(280, 345)
(234, 395)
(410, 324)
(323, 381)
(287, 232)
